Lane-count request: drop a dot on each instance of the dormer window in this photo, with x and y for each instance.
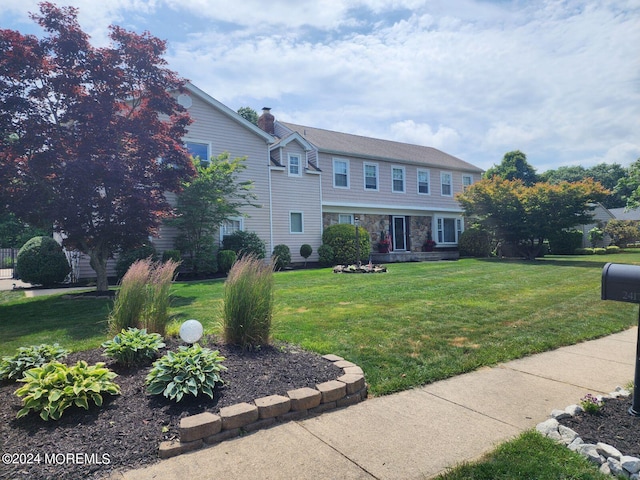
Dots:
(294, 165)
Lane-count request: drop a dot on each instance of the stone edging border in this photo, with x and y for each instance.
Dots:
(610, 459)
(207, 428)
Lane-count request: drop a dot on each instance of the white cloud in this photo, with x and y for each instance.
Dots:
(444, 138)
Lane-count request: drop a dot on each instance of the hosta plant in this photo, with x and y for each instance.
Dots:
(189, 371)
(54, 387)
(133, 347)
(13, 367)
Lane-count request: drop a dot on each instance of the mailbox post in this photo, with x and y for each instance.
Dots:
(622, 283)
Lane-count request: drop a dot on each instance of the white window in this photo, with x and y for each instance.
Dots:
(230, 226)
(294, 165)
(199, 150)
(448, 230)
(423, 182)
(296, 222)
(467, 180)
(397, 178)
(371, 176)
(341, 173)
(445, 184)
(345, 218)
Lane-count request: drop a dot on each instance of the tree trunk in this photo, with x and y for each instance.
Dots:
(98, 261)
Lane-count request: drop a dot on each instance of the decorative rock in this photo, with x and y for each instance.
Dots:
(354, 382)
(630, 464)
(199, 426)
(623, 392)
(560, 414)
(548, 427)
(590, 452)
(332, 391)
(615, 467)
(574, 409)
(566, 434)
(604, 468)
(304, 398)
(272, 406)
(239, 415)
(608, 451)
(573, 446)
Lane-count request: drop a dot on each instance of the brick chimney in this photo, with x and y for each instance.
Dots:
(266, 120)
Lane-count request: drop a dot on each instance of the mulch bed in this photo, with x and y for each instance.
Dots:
(126, 431)
(612, 425)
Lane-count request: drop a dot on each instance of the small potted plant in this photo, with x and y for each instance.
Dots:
(384, 244)
(429, 243)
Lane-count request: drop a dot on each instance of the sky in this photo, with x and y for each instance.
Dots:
(558, 80)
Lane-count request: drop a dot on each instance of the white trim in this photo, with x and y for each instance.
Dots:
(289, 165)
(470, 177)
(376, 207)
(291, 212)
(333, 173)
(240, 220)
(458, 228)
(404, 179)
(428, 172)
(364, 176)
(196, 141)
(442, 174)
(350, 215)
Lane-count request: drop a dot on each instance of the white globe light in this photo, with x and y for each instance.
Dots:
(191, 331)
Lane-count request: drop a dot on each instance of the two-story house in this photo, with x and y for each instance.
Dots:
(307, 178)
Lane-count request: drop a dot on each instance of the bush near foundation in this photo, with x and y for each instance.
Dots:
(342, 239)
(282, 256)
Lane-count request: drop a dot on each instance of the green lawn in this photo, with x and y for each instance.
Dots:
(416, 324)
(532, 457)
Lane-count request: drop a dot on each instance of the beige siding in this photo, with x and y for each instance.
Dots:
(356, 195)
(296, 194)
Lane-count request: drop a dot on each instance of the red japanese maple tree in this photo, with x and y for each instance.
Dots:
(90, 137)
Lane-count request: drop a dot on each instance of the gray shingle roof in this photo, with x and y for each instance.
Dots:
(337, 143)
(624, 214)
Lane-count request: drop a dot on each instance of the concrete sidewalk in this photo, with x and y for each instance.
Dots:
(419, 433)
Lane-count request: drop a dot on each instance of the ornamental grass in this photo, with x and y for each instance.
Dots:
(248, 302)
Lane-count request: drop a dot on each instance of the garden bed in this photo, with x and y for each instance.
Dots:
(126, 431)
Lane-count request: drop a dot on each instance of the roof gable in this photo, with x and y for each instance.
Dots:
(338, 143)
(295, 136)
(229, 113)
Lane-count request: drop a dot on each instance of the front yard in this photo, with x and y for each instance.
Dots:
(416, 324)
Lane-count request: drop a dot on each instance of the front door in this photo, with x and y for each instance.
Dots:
(399, 233)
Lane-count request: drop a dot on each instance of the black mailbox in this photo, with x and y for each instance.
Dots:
(621, 282)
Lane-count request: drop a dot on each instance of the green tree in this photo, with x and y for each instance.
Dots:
(211, 197)
(248, 113)
(622, 232)
(526, 215)
(14, 233)
(628, 187)
(573, 173)
(514, 166)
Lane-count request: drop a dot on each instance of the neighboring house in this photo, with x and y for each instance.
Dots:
(601, 215)
(624, 214)
(307, 178)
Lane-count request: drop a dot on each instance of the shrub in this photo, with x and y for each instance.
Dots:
(282, 256)
(143, 298)
(342, 238)
(474, 242)
(584, 251)
(42, 261)
(171, 255)
(133, 347)
(623, 232)
(613, 249)
(190, 371)
(226, 259)
(54, 387)
(591, 404)
(128, 258)
(325, 255)
(596, 235)
(204, 261)
(600, 251)
(305, 252)
(248, 302)
(13, 367)
(565, 242)
(245, 243)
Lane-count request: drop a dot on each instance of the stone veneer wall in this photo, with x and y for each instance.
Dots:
(419, 227)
